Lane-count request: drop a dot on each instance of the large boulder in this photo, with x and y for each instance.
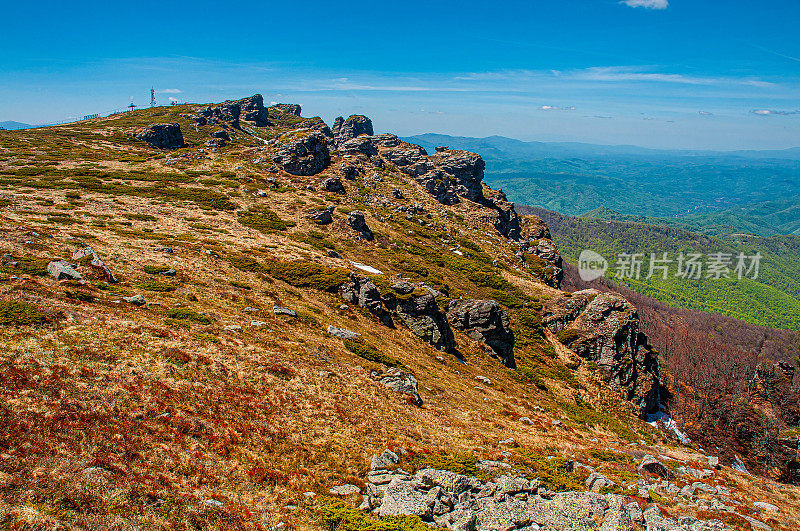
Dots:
(604, 328)
(417, 308)
(355, 125)
(485, 321)
(542, 259)
(162, 136)
(357, 222)
(302, 152)
(362, 291)
(400, 381)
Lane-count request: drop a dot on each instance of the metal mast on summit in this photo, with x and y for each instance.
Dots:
(152, 97)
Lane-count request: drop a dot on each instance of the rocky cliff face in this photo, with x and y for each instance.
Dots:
(603, 328)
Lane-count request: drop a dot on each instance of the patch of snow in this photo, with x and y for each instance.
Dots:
(368, 269)
(669, 425)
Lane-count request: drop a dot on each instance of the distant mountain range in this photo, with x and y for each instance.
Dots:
(504, 148)
(11, 126)
(711, 192)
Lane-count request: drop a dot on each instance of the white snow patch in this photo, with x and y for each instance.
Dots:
(369, 269)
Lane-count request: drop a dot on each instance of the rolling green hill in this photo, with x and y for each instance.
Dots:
(773, 299)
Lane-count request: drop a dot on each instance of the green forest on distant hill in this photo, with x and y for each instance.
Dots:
(773, 299)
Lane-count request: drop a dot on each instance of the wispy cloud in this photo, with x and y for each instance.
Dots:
(648, 4)
(772, 112)
(705, 113)
(169, 91)
(634, 73)
(555, 108)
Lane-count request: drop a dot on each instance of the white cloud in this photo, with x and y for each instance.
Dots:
(648, 4)
(771, 112)
(169, 91)
(555, 108)
(705, 113)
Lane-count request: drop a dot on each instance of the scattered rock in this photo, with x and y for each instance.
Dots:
(167, 250)
(334, 185)
(136, 300)
(483, 379)
(386, 459)
(345, 490)
(357, 222)
(63, 270)
(321, 216)
(163, 136)
(654, 466)
(280, 310)
(342, 333)
(95, 263)
(417, 308)
(287, 108)
(400, 381)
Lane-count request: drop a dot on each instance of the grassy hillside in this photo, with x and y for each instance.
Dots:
(771, 300)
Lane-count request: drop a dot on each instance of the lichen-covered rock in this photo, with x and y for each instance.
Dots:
(302, 152)
(355, 125)
(402, 498)
(501, 214)
(334, 185)
(485, 321)
(322, 216)
(63, 270)
(163, 136)
(252, 109)
(418, 310)
(400, 381)
(362, 291)
(542, 259)
(604, 328)
(357, 222)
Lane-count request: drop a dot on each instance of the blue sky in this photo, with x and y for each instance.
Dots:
(657, 73)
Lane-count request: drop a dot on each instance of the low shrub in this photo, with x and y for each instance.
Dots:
(264, 220)
(370, 353)
(338, 515)
(20, 313)
(301, 274)
(185, 314)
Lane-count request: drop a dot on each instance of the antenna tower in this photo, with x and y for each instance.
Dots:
(152, 97)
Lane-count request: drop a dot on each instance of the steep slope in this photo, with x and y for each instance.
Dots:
(268, 302)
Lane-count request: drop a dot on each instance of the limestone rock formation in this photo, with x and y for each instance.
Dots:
(466, 170)
(355, 125)
(485, 321)
(302, 152)
(604, 328)
(163, 136)
(252, 109)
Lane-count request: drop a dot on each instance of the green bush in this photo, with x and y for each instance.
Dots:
(567, 335)
(161, 287)
(340, 516)
(370, 353)
(264, 220)
(27, 265)
(185, 314)
(155, 270)
(301, 274)
(19, 313)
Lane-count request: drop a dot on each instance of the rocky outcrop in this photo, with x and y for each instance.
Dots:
(362, 291)
(417, 308)
(334, 185)
(252, 109)
(465, 169)
(287, 108)
(501, 214)
(508, 502)
(162, 136)
(321, 216)
(302, 152)
(603, 328)
(95, 262)
(63, 270)
(355, 125)
(357, 222)
(485, 321)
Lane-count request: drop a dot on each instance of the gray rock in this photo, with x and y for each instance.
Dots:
(354, 126)
(386, 459)
(163, 136)
(654, 466)
(302, 152)
(449, 481)
(321, 216)
(95, 263)
(362, 291)
(63, 270)
(357, 222)
(485, 321)
(334, 185)
(167, 250)
(345, 490)
(597, 481)
(280, 310)
(342, 333)
(400, 381)
(418, 310)
(402, 498)
(764, 506)
(483, 380)
(136, 300)
(287, 108)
